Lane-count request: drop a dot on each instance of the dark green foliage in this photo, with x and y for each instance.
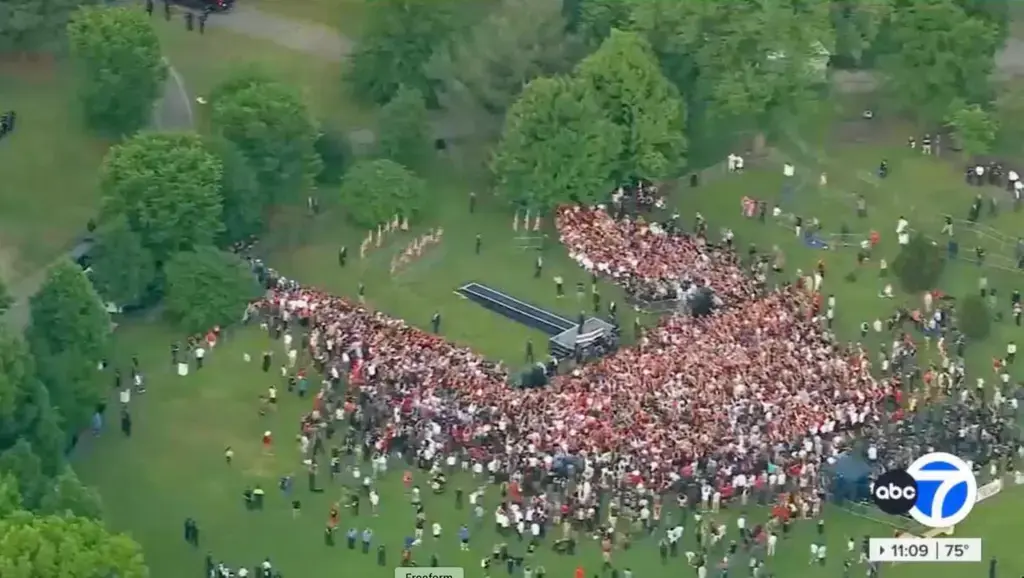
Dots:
(373, 192)
(244, 207)
(974, 317)
(120, 68)
(5, 298)
(207, 287)
(336, 153)
(404, 131)
(397, 42)
(919, 264)
(122, 268)
(69, 334)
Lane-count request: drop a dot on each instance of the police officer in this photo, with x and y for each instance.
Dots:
(529, 351)
(478, 244)
(190, 21)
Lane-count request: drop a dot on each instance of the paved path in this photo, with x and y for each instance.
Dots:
(300, 35)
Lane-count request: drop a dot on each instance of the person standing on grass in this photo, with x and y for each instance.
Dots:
(126, 423)
(367, 540)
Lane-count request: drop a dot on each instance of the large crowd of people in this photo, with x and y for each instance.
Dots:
(759, 383)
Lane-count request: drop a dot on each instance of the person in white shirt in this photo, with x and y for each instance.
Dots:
(435, 529)
(814, 554)
(822, 549)
(374, 501)
(773, 541)
(200, 353)
(716, 501)
(901, 225)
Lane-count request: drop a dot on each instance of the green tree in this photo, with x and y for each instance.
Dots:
(10, 497)
(374, 191)
(624, 76)
(35, 25)
(46, 546)
(121, 71)
(273, 128)
(122, 267)
(207, 287)
(69, 334)
(556, 146)
(974, 127)
(398, 40)
(919, 264)
(23, 466)
(937, 54)
(594, 20)
(167, 186)
(25, 410)
(68, 495)
(5, 298)
(404, 129)
(245, 207)
(740, 65)
(483, 72)
(336, 152)
(858, 24)
(975, 319)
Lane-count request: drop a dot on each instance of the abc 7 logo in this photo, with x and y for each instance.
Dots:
(938, 490)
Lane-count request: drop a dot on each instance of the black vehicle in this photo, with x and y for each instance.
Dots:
(206, 5)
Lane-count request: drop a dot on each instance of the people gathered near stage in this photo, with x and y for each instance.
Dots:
(648, 261)
(720, 397)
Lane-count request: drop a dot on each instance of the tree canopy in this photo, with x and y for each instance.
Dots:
(974, 127)
(404, 130)
(122, 267)
(374, 191)
(6, 300)
(740, 64)
(69, 334)
(272, 127)
(47, 546)
(398, 40)
(35, 25)
(167, 187)
(121, 70)
(556, 146)
(244, 206)
(485, 70)
(207, 287)
(935, 54)
(628, 85)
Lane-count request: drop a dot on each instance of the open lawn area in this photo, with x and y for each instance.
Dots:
(173, 467)
(207, 60)
(48, 165)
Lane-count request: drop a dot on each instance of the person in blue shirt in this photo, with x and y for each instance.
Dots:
(367, 539)
(464, 538)
(351, 537)
(409, 542)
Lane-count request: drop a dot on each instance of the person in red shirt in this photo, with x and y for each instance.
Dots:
(579, 572)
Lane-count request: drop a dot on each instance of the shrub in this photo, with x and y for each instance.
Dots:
(975, 318)
(919, 264)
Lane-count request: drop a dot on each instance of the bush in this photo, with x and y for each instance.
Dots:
(975, 318)
(336, 153)
(919, 265)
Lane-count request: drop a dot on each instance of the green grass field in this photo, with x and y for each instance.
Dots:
(48, 165)
(172, 467)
